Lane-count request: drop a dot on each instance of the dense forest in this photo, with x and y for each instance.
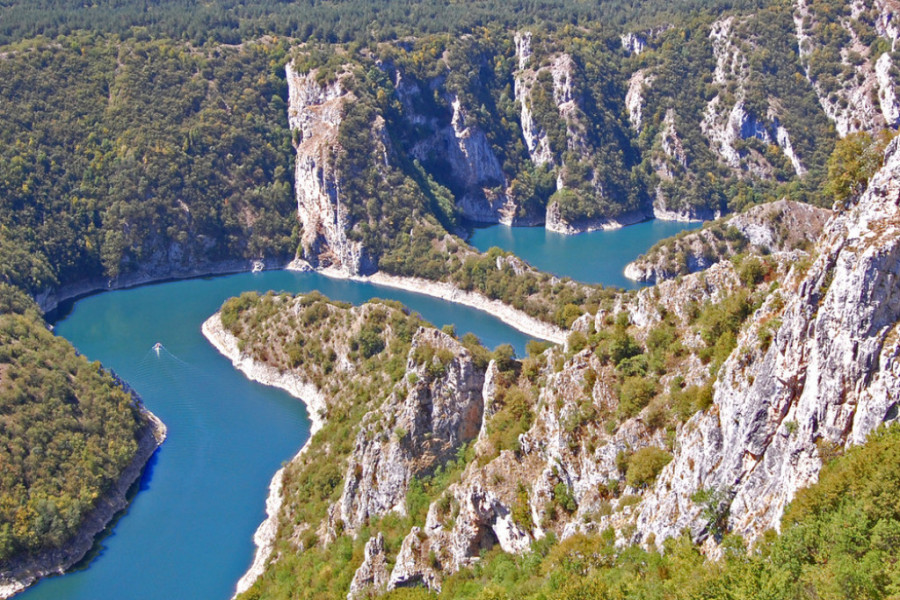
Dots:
(67, 431)
(233, 21)
(118, 154)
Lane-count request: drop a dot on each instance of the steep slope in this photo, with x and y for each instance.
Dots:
(703, 404)
(73, 440)
(849, 54)
(825, 380)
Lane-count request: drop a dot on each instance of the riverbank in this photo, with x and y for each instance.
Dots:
(50, 299)
(227, 345)
(445, 291)
(18, 575)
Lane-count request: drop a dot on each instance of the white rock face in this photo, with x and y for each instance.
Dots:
(568, 101)
(522, 40)
(314, 114)
(634, 98)
(564, 96)
(852, 106)
(671, 142)
(633, 43)
(561, 449)
(412, 435)
(535, 137)
(471, 159)
(779, 226)
(725, 125)
(371, 577)
(887, 92)
(830, 376)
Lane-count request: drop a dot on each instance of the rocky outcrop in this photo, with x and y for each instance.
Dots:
(315, 113)
(662, 209)
(413, 433)
(829, 377)
(858, 91)
(774, 227)
(561, 476)
(460, 146)
(635, 42)
(554, 81)
(556, 223)
(371, 578)
(477, 168)
(726, 123)
(18, 574)
(634, 98)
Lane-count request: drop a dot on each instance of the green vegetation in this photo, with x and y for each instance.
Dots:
(644, 465)
(854, 160)
(118, 154)
(67, 431)
(231, 21)
(839, 540)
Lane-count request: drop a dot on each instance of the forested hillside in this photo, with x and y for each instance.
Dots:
(125, 153)
(68, 432)
(161, 154)
(152, 139)
(232, 21)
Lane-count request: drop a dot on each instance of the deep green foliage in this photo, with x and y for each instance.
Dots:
(118, 154)
(67, 431)
(854, 160)
(231, 21)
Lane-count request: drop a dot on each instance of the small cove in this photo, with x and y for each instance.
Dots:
(595, 257)
(188, 533)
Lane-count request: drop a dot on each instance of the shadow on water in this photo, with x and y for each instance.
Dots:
(141, 484)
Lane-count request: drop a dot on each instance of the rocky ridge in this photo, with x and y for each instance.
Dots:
(315, 113)
(815, 368)
(774, 227)
(830, 375)
(426, 425)
(826, 379)
(859, 92)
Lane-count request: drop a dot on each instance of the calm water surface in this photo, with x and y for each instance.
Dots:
(596, 257)
(188, 533)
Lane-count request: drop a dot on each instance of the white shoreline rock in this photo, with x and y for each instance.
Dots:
(446, 291)
(227, 344)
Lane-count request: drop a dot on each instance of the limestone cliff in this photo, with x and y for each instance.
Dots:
(826, 376)
(315, 114)
(703, 403)
(829, 376)
(415, 431)
(857, 85)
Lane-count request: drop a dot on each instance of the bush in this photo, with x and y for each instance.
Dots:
(751, 271)
(634, 394)
(645, 465)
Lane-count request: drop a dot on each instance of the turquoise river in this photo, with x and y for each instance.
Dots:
(188, 532)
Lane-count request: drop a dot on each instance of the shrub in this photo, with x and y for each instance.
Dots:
(751, 271)
(645, 465)
(634, 394)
